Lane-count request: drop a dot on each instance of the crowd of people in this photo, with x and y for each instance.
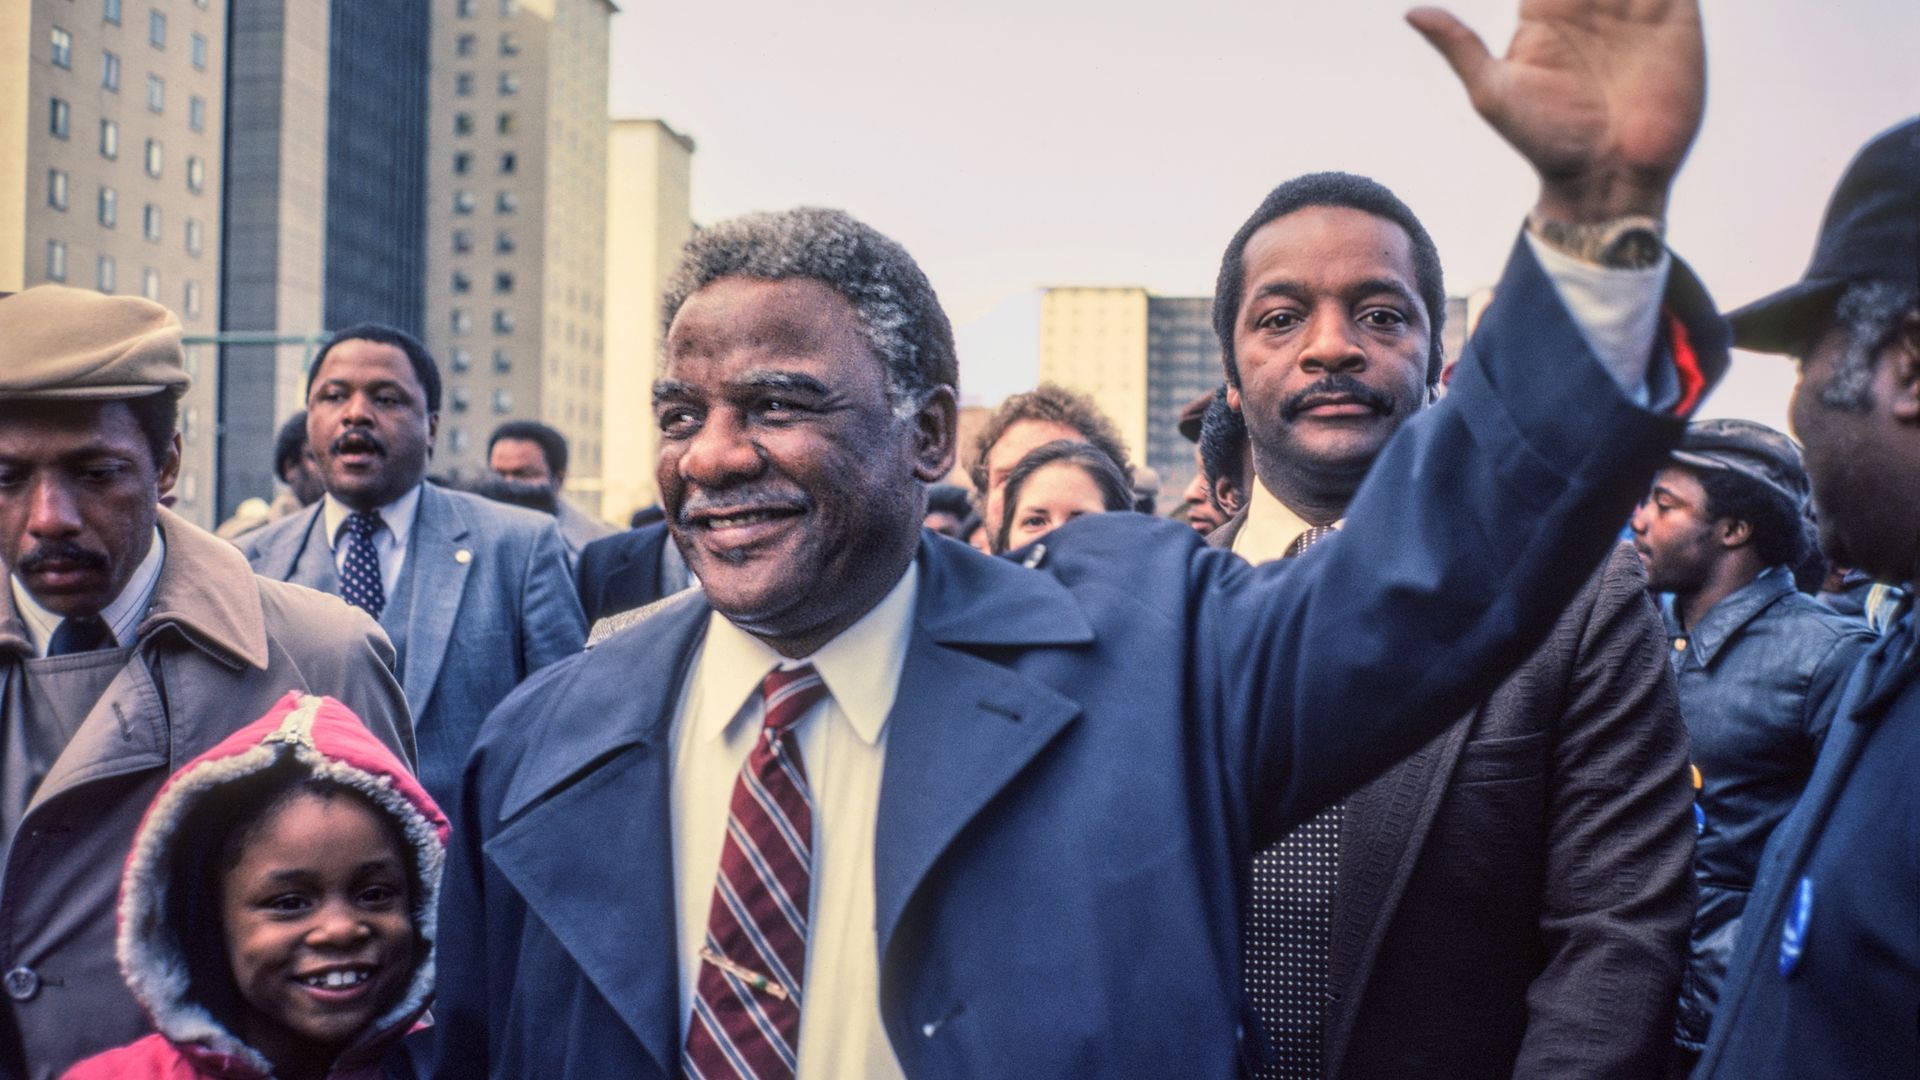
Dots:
(1474, 717)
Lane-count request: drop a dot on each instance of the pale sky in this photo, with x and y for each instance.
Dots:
(1016, 145)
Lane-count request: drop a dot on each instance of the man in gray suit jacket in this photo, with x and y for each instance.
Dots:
(421, 559)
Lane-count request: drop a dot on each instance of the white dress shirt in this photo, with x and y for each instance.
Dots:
(389, 544)
(122, 616)
(843, 744)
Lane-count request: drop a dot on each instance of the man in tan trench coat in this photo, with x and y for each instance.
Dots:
(130, 641)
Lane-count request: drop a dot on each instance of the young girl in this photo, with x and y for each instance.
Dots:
(276, 912)
(1055, 483)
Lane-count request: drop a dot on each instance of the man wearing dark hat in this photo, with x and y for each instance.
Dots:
(1824, 979)
(1756, 661)
(129, 642)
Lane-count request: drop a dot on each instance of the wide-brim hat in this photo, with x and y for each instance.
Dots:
(1871, 232)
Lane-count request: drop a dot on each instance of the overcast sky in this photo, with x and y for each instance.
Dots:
(1015, 145)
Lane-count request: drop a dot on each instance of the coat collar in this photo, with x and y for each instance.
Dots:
(961, 729)
(1734, 612)
(206, 592)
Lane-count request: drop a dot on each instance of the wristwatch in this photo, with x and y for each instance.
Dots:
(1635, 242)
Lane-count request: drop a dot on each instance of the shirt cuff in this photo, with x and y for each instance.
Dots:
(1618, 312)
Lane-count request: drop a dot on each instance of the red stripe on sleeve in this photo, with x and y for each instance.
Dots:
(1692, 382)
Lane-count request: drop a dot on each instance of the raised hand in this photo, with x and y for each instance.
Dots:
(1602, 97)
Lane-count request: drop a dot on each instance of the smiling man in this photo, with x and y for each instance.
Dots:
(1436, 922)
(475, 595)
(873, 805)
(129, 639)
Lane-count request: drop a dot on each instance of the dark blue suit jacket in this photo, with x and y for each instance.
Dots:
(621, 572)
(1080, 761)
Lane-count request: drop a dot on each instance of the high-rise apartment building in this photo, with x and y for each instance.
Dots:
(648, 221)
(516, 234)
(110, 171)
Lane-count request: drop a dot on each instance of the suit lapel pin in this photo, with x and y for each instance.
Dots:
(1793, 934)
(463, 556)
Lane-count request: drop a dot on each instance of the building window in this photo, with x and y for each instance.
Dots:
(462, 361)
(465, 44)
(503, 282)
(509, 162)
(505, 124)
(463, 202)
(502, 362)
(505, 202)
(103, 273)
(503, 242)
(502, 321)
(154, 157)
(56, 261)
(110, 11)
(462, 164)
(109, 139)
(109, 71)
(509, 84)
(198, 49)
(459, 321)
(463, 123)
(194, 240)
(150, 284)
(60, 119)
(197, 112)
(456, 440)
(509, 44)
(62, 48)
(463, 84)
(156, 93)
(461, 282)
(109, 211)
(150, 222)
(57, 188)
(196, 174)
(157, 29)
(503, 401)
(462, 241)
(464, 9)
(459, 398)
(509, 8)
(191, 301)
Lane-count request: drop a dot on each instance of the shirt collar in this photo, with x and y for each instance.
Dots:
(1734, 611)
(1270, 529)
(861, 665)
(122, 616)
(398, 516)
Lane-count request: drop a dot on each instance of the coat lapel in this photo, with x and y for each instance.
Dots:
(610, 903)
(440, 556)
(124, 732)
(283, 556)
(962, 728)
(1384, 828)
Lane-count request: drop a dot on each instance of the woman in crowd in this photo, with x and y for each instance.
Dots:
(1055, 483)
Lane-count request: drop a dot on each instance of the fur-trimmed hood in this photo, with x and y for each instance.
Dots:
(329, 741)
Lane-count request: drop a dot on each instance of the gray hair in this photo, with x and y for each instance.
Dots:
(898, 311)
(1868, 312)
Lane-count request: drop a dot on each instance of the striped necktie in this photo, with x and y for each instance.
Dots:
(1289, 927)
(753, 964)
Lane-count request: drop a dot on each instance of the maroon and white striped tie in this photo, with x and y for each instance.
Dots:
(753, 964)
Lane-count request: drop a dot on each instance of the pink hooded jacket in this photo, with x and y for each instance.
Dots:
(329, 741)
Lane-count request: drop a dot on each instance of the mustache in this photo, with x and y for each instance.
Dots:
(351, 441)
(65, 551)
(738, 501)
(1338, 384)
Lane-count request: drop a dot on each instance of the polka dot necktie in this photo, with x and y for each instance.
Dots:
(360, 576)
(753, 963)
(1289, 931)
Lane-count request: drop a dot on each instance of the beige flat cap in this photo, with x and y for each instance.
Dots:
(57, 342)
